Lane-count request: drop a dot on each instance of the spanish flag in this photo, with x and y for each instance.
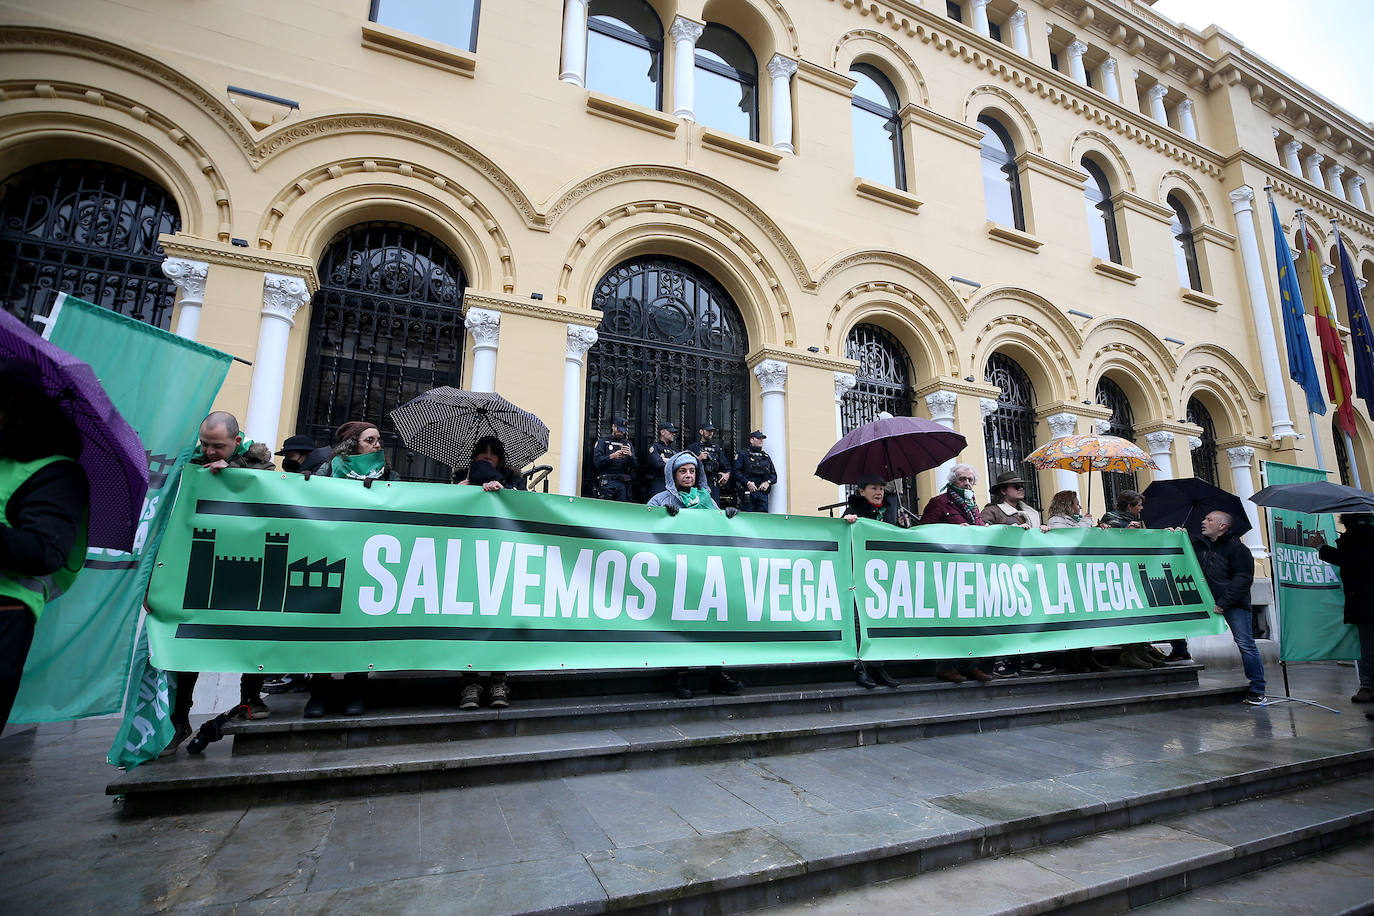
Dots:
(1333, 353)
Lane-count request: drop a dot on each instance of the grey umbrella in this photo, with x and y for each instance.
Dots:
(1315, 497)
(445, 423)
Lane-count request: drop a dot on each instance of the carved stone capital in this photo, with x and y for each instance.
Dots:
(580, 339)
(1240, 456)
(1157, 92)
(1109, 66)
(780, 67)
(1017, 19)
(1335, 172)
(283, 296)
(772, 375)
(684, 29)
(1357, 181)
(1185, 107)
(1194, 443)
(1327, 271)
(1102, 426)
(987, 407)
(1242, 198)
(942, 404)
(1313, 161)
(1291, 147)
(1076, 49)
(1159, 441)
(484, 325)
(978, 4)
(189, 277)
(844, 382)
(1062, 424)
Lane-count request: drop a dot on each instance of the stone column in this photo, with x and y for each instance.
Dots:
(781, 69)
(772, 376)
(580, 339)
(574, 43)
(1110, 86)
(1314, 161)
(189, 277)
(1290, 157)
(1242, 204)
(1061, 425)
(978, 9)
(1245, 488)
(1186, 124)
(1156, 93)
(1357, 193)
(1020, 37)
(1333, 180)
(844, 382)
(282, 297)
(1076, 50)
(942, 404)
(485, 327)
(685, 33)
(1161, 447)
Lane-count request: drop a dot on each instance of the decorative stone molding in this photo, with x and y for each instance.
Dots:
(1242, 199)
(217, 252)
(987, 407)
(1240, 456)
(1159, 441)
(844, 383)
(684, 29)
(772, 375)
(1062, 424)
(942, 404)
(532, 308)
(780, 67)
(913, 73)
(189, 277)
(930, 326)
(1157, 92)
(1102, 427)
(580, 339)
(934, 281)
(282, 296)
(484, 326)
(1194, 443)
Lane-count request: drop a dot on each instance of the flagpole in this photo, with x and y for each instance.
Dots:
(1349, 443)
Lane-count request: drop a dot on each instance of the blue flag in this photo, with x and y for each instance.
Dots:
(1301, 367)
(1361, 338)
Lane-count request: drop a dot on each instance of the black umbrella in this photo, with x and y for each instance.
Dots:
(1183, 503)
(445, 423)
(1315, 497)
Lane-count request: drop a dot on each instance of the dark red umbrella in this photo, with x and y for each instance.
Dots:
(892, 448)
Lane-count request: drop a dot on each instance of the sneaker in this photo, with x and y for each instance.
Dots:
(257, 709)
(498, 697)
(724, 683)
(1363, 695)
(314, 707)
(863, 678)
(1254, 699)
(1003, 669)
(471, 696)
(882, 677)
(182, 733)
(1038, 667)
(287, 683)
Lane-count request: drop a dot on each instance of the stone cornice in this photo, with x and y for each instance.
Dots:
(532, 308)
(1043, 165)
(1209, 233)
(1254, 442)
(216, 252)
(1083, 411)
(956, 130)
(958, 386)
(1137, 204)
(801, 358)
(1304, 194)
(1166, 426)
(825, 78)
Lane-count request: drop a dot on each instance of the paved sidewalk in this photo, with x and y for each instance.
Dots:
(64, 847)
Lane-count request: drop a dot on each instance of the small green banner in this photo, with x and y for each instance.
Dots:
(963, 591)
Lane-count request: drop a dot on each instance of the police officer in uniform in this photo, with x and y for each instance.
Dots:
(613, 459)
(715, 464)
(755, 472)
(657, 459)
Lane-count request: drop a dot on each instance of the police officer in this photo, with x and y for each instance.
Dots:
(756, 474)
(613, 459)
(657, 459)
(715, 464)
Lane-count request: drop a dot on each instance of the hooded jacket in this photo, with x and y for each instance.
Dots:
(1229, 568)
(670, 493)
(1353, 555)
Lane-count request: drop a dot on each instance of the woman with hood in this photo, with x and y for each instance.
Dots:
(871, 500)
(681, 475)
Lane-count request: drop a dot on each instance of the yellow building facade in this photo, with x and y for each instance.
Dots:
(1023, 220)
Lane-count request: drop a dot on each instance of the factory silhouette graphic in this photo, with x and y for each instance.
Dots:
(1291, 535)
(1169, 590)
(266, 583)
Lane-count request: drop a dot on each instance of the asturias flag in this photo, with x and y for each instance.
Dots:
(1361, 336)
(1301, 368)
(1333, 353)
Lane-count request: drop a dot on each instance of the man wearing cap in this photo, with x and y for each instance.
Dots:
(755, 472)
(657, 459)
(613, 459)
(714, 462)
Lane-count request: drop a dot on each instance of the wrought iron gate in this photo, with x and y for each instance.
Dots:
(670, 348)
(1109, 394)
(1205, 455)
(882, 383)
(386, 325)
(88, 229)
(1009, 432)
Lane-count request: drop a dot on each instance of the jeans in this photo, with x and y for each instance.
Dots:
(1240, 622)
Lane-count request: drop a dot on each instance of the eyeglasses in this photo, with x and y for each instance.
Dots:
(371, 440)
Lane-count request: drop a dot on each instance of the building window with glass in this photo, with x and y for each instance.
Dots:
(449, 22)
(727, 83)
(1185, 248)
(1001, 183)
(877, 128)
(1101, 214)
(625, 51)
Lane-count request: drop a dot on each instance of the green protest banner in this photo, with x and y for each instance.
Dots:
(1311, 602)
(962, 591)
(269, 571)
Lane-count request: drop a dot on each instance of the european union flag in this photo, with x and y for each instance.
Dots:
(1361, 339)
(1301, 368)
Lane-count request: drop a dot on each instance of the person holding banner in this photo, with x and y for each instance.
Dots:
(1008, 506)
(44, 503)
(871, 500)
(1353, 555)
(1229, 568)
(1066, 512)
(957, 504)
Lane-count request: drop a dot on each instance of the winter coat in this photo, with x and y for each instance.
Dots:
(1068, 521)
(253, 456)
(994, 514)
(949, 510)
(1353, 555)
(668, 496)
(1229, 568)
(861, 507)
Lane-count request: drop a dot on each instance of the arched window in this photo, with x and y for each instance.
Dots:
(452, 23)
(1342, 455)
(883, 384)
(1205, 455)
(877, 128)
(625, 51)
(1185, 248)
(1001, 182)
(1101, 214)
(386, 325)
(1122, 423)
(1009, 432)
(727, 83)
(88, 229)
(670, 348)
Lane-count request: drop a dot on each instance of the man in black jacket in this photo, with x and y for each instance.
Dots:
(1353, 555)
(1229, 569)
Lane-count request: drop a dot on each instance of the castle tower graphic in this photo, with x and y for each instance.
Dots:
(271, 582)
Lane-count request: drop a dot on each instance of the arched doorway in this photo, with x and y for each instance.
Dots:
(1121, 423)
(1205, 455)
(1009, 432)
(1342, 454)
(882, 384)
(89, 229)
(386, 325)
(670, 348)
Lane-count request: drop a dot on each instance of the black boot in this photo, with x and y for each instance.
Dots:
(861, 677)
(882, 677)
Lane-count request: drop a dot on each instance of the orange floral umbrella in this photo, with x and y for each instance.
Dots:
(1091, 453)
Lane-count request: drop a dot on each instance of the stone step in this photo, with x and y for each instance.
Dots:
(1179, 858)
(355, 767)
(406, 722)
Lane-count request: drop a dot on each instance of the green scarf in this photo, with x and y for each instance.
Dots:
(969, 505)
(693, 498)
(198, 456)
(359, 467)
